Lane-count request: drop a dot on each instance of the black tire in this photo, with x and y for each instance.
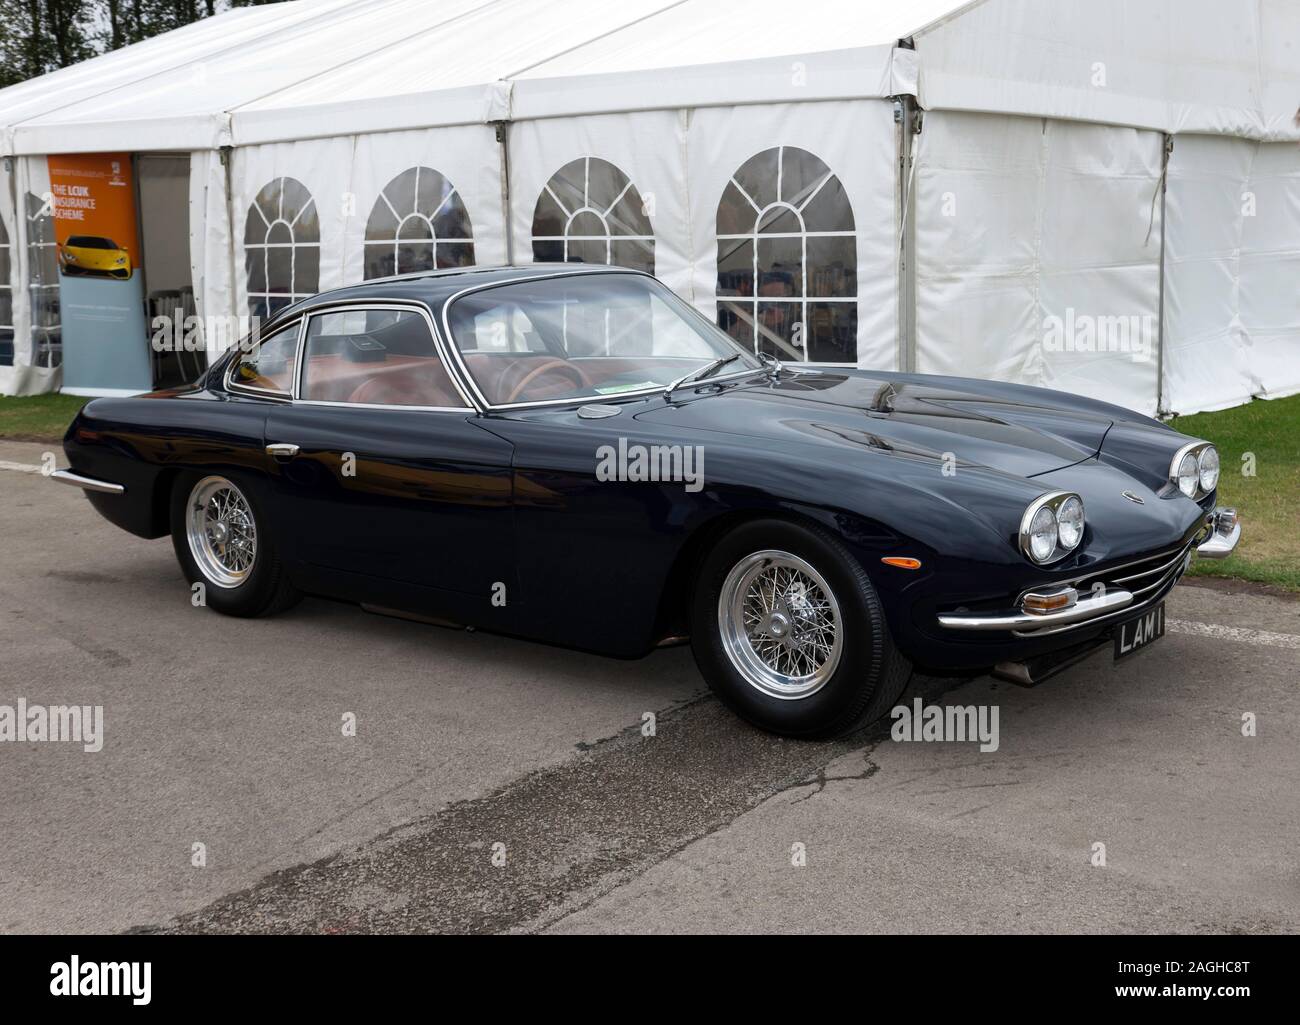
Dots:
(265, 589)
(867, 680)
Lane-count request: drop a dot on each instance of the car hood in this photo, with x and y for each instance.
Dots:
(944, 419)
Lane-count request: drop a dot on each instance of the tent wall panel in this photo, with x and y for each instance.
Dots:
(210, 251)
(855, 140)
(1206, 364)
(466, 159)
(31, 178)
(649, 149)
(1232, 309)
(319, 169)
(1038, 252)
(1270, 270)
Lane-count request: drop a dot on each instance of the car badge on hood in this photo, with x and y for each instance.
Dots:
(1137, 499)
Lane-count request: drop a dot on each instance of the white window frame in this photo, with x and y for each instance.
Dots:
(6, 286)
(417, 214)
(43, 214)
(263, 248)
(607, 236)
(803, 299)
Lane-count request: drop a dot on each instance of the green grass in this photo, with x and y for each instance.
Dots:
(38, 417)
(1269, 551)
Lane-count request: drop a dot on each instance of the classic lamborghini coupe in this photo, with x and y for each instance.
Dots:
(92, 255)
(576, 456)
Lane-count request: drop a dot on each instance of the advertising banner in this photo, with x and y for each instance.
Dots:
(105, 335)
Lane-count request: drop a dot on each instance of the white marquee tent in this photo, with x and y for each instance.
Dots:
(1101, 196)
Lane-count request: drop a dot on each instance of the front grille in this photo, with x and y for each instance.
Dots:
(1145, 578)
(1148, 580)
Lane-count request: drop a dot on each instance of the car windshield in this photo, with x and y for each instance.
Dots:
(584, 336)
(91, 242)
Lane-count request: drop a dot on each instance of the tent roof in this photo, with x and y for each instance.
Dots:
(315, 68)
(329, 67)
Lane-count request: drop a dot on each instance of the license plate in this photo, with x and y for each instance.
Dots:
(1134, 634)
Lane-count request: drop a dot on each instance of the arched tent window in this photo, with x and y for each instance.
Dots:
(43, 283)
(787, 259)
(590, 212)
(419, 222)
(6, 302)
(281, 247)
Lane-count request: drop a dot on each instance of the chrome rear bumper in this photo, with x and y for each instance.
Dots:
(87, 483)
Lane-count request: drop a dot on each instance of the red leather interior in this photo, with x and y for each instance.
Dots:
(423, 381)
(397, 381)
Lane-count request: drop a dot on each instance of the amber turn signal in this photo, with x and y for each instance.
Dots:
(1051, 601)
(902, 563)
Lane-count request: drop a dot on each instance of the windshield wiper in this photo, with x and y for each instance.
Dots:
(772, 363)
(700, 373)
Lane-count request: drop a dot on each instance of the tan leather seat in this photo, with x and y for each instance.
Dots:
(423, 383)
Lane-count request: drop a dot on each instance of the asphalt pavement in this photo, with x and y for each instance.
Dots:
(495, 785)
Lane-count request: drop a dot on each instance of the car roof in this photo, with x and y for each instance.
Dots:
(435, 287)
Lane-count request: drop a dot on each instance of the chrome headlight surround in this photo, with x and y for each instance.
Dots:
(1053, 503)
(1204, 464)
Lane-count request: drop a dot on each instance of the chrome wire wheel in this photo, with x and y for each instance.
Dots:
(780, 625)
(221, 531)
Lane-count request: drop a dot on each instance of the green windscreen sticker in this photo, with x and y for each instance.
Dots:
(614, 389)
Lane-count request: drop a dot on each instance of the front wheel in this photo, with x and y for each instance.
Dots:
(789, 633)
(223, 541)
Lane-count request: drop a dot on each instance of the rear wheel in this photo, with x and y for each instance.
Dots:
(222, 540)
(789, 632)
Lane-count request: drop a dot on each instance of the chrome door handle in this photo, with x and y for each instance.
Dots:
(282, 451)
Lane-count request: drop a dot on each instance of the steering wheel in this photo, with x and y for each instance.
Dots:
(568, 369)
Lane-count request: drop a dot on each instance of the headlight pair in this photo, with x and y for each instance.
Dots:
(1052, 527)
(1194, 469)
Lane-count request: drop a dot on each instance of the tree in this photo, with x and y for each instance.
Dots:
(37, 36)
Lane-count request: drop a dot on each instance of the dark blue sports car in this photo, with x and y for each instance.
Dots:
(578, 457)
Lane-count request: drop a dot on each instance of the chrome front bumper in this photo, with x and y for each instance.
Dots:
(1225, 532)
(87, 483)
(1135, 585)
(1021, 623)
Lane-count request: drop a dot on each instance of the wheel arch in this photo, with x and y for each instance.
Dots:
(673, 614)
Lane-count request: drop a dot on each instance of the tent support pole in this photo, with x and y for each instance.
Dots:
(227, 166)
(1167, 142)
(907, 122)
(503, 138)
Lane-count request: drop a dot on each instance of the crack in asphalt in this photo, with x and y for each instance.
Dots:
(551, 842)
(821, 780)
(569, 833)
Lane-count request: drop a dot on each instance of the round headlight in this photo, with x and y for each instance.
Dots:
(1069, 523)
(1189, 474)
(1042, 535)
(1208, 465)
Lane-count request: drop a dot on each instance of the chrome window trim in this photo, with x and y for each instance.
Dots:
(385, 406)
(351, 305)
(576, 401)
(263, 393)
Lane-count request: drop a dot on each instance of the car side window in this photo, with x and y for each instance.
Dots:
(267, 364)
(375, 357)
